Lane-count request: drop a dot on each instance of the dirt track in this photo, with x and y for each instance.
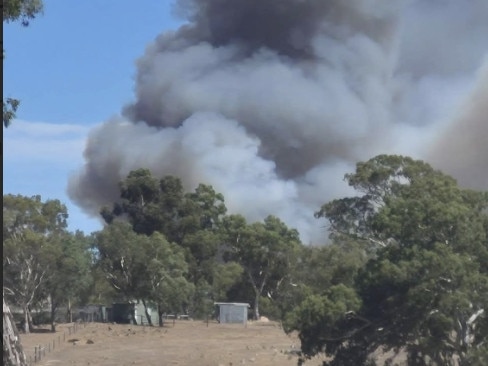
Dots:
(185, 343)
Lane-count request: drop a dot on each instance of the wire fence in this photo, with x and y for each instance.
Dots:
(41, 350)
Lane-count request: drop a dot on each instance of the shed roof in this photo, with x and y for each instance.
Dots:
(233, 303)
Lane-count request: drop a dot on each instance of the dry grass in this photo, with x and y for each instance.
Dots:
(185, 343)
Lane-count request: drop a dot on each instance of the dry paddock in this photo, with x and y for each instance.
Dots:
(185, 342)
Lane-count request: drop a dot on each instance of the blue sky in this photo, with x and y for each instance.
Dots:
(72, 69)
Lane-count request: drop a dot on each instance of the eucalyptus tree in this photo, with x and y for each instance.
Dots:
(14, 10)
(191, 220)
(265, 250)
(162, 205)
(424, 288)
(70, 271)
(141, 267)
(30, 231)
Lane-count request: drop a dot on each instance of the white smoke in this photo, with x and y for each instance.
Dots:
(272, 102)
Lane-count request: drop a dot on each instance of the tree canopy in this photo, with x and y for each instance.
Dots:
(405, 274)
(23, 11)
(266, 251)
(190, 220)
(141, 267)
(41, 258)
(423, 289)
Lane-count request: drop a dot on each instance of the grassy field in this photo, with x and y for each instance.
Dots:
(181, 343)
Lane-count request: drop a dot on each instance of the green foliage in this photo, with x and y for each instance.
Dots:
(166, 284)
(151, 205)
(226, 275)
(266, 251)
(315, 270)
(71, 269)
(191, 220)
(334, 264)
(10, 106)
(99, 290)
(23, 10)
(25, 266)
(424, 285)
(22, 213)
(14, 10)
(140, 196)
(143, 267)
(322, 317)
(33, 233)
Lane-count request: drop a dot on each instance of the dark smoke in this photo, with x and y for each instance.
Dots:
(272, 101)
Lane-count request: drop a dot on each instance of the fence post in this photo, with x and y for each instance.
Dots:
(35, 354)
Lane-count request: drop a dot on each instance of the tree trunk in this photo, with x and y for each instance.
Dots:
(13, 353)
(133, 314)
(53, 316)
(148, 317)
(70, 314)
(160, 315)
(257, 291)
(256, 306)
(26, 320)
(29, 316)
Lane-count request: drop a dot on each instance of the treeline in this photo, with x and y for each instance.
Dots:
(406, 269)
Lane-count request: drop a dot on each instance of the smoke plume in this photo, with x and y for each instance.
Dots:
(462, 150)
(273, 101)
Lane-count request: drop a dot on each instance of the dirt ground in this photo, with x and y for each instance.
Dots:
(186, 342)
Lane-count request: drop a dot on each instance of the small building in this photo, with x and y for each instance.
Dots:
(124, 312)
(92, 313)
(231, 312)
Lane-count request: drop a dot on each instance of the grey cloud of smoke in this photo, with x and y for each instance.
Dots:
(272, 102)
(462, 149)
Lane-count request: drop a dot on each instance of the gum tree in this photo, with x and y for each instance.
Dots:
(265, 250)
(424, 289)
(30, 229)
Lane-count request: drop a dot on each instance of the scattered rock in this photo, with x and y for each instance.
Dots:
(295, 352)
(89, 341)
